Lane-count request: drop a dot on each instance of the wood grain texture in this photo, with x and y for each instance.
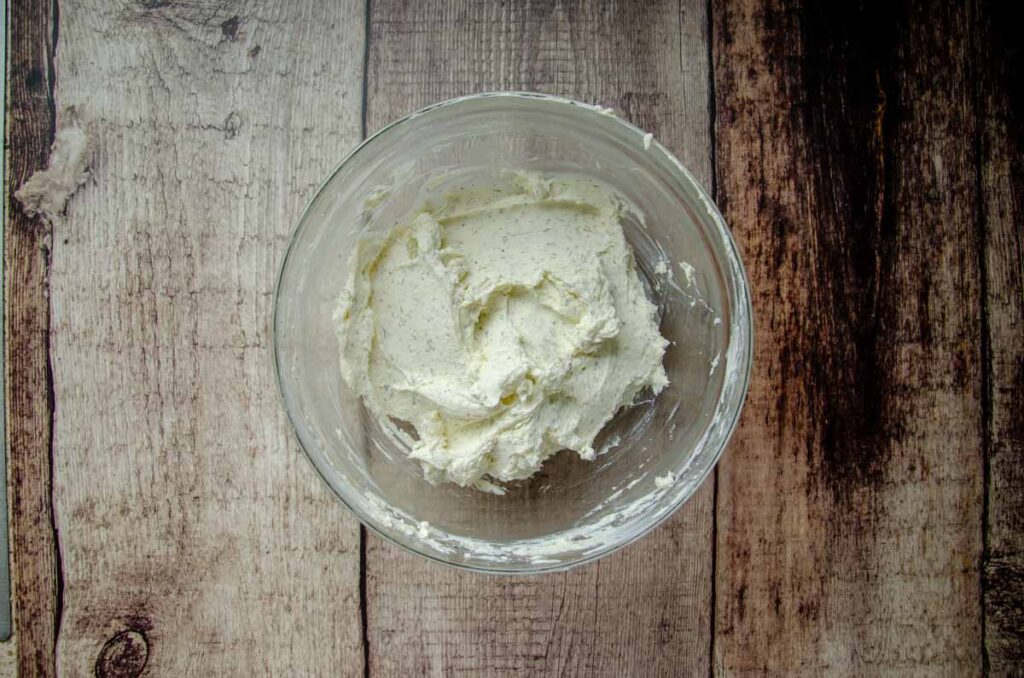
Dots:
(645, 611)
(35, 574)
(870, 164)
(196, 539)
(1000, 80)
(850, 511)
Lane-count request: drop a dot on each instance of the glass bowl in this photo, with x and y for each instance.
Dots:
(652, 455)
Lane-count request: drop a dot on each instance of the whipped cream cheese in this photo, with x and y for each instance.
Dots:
(504, 323)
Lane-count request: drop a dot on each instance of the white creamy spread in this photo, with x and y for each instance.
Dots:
(504, 323)
(47, 191)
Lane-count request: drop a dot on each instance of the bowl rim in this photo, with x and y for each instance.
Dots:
(732, 257)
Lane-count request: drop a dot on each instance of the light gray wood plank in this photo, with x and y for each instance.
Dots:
(195, 538)
(645, 611)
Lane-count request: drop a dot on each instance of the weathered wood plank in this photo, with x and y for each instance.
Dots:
(196, 539)
(641, 612)
(1000, 78)
(850, 511)
(34, 575)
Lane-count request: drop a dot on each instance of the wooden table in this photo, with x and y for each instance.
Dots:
(868, 517)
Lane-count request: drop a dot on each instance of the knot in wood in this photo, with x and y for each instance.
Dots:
(123, 656)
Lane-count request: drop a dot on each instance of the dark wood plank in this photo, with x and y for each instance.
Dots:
(850, 510)
(1000, 78)
(644, 611)
(35, 575)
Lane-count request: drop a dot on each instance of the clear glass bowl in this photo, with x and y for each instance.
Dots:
(655, 453)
